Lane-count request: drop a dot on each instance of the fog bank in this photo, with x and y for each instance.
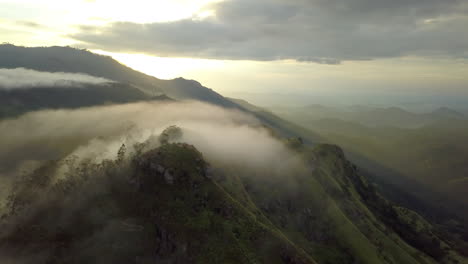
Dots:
(21, 78)
(96, 133)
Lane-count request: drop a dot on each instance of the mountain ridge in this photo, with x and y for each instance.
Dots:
(67, 59)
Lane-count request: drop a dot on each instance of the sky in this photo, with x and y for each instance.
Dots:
(255, 48)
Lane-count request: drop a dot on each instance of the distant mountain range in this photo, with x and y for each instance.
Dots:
(371, 116)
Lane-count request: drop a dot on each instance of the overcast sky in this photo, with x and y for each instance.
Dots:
(261, 46)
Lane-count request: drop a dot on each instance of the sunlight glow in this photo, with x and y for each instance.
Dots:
(54, 20)
(163, 68)
(138, 11)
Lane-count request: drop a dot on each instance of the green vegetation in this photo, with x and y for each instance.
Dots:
(170, 205)
(433, 152)
(159, 205)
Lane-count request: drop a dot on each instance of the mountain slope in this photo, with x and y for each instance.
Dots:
(436, 158)
(150, 209)
(428, 161)
(66, 59)
(335, 205)
(15, 102)
(284, 127)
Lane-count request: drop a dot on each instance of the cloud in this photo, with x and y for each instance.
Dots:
(323, 31)
(21, 78)
(228, 139)
(30, 24)
(224, 136)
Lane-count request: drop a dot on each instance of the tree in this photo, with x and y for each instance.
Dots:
(121, 153)
(171, 133)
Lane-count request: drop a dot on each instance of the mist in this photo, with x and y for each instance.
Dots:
(21, 78)
(96, 133)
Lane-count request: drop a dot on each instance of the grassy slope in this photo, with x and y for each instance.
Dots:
(433, 154)
(325, 208)
(426, 166)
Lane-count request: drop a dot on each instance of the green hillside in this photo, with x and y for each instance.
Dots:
(168, 204)
(423, 168)
(433, 155)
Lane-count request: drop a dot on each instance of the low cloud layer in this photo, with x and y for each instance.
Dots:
(96, 133)
(318, 31)
(227, 138)
(21, 78)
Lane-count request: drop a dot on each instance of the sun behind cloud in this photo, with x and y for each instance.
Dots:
(163, 68)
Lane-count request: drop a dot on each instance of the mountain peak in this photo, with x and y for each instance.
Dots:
(446, 112)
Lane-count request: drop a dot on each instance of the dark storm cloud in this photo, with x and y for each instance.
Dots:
(323, 31)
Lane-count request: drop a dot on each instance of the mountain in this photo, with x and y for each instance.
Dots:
(66, 59)
(368, 115)
(121, 173)
(170, 206)
(447, 113)
(423, 168)
(149, 218)
(433, 155)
